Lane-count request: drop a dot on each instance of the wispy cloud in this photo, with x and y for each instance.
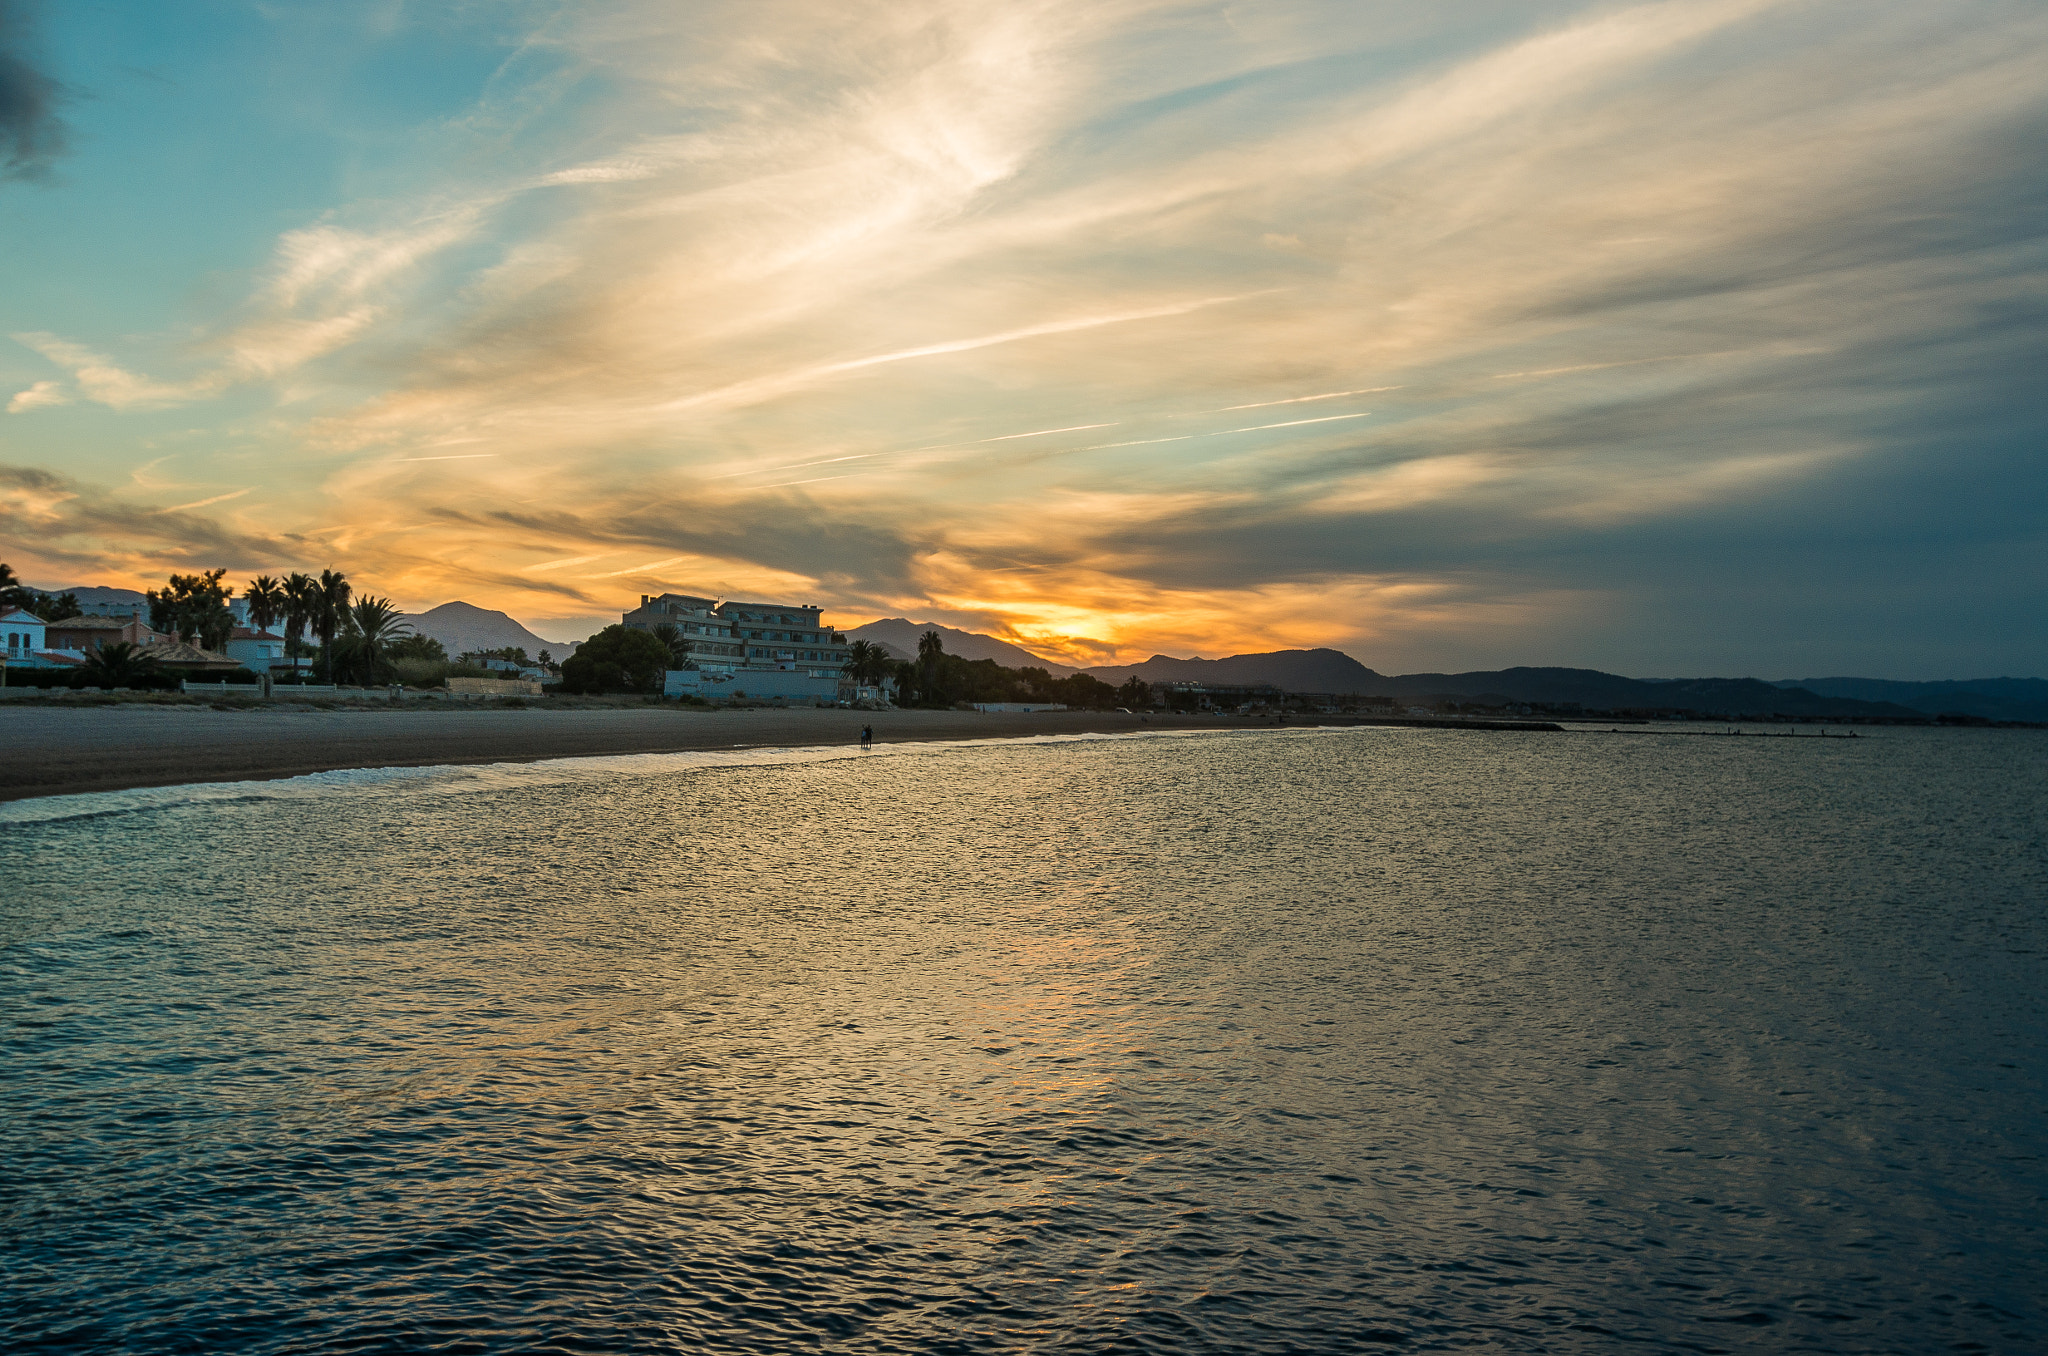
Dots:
(101, 380)
(39, 396)
(1617, 277)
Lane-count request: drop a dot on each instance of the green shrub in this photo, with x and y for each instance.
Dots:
(415, 672)
(617, 659)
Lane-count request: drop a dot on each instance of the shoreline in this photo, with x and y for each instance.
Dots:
(56, 750)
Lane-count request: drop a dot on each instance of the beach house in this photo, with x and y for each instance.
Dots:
(256, 650)
(27, 637)
(81, 636)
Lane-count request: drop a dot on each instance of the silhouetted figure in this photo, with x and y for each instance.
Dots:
(867, 736)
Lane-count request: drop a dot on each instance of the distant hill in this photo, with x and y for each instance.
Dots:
(92, 595)
(1991, 698)
(461, 627)
(1293, 670)
(1333, 671)
(1599, 691)
(900, 635)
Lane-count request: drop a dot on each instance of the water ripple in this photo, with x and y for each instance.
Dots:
(1342, 1040)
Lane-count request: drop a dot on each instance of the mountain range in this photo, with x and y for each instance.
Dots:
(92, 594)
(1991, 698)
(462, 627)
(1293, 670)
(899, 636)
(1325, 670)
(1336, 672)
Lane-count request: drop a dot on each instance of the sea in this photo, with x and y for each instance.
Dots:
(1306, 1040)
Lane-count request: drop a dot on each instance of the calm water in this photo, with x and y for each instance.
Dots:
(1306, 1041)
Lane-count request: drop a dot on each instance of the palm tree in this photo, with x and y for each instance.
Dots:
(867, 662)
(907, 690)
(266, 601)
(376, 623)
(671, 635)
(931, 648)
(298, 610)
(330, 611)
(117, 664)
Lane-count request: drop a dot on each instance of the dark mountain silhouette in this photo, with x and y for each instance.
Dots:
(899, 636)
(1991, 698)
(1599, 691)
(1293, 670)
(1332, 671)
(462, 627)
(90, 595)
(1335, 672)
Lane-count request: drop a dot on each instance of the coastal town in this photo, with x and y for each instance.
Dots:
(304, 631)
(304, 635)
(315, 638)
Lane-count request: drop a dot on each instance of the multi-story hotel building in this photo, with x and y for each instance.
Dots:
(731, 636)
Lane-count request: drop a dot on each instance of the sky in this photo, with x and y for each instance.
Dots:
(1689, 338)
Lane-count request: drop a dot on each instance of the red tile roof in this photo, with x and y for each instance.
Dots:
(176, 654)
(95, 624)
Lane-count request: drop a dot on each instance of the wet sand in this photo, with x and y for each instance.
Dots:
(55, 751)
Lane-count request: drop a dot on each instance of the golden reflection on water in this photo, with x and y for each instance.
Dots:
(1246, 1042)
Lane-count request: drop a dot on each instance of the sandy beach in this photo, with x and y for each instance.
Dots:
(58, 751)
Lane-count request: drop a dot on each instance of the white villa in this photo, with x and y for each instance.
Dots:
(26, 634)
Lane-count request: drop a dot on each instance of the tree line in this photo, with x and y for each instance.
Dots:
(360, 638)
(49, 607)
(938, 679)
(360, 635)
(623, 658)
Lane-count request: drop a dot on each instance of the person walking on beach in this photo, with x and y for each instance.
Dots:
(867, 736)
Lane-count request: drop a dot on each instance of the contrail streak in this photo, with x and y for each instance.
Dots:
(1075, 428)
(765, 387)
(1328, 395)
(640, 569)
(1290, 423)
(1222, 432)
(1140, 442)
(815, 480)
(798, 466)
(565, 560)
(865, 456)
(1630, 362)
(202, 503)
